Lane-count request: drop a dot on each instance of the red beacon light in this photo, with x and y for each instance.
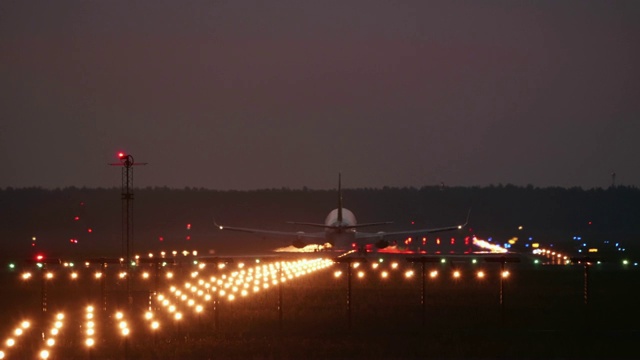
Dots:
(121, 155)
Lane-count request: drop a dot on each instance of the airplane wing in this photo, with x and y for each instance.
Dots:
(300, 235)
(381, 235)
(325, 226)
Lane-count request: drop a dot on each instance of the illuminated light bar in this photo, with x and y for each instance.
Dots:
(90, 331)
(50, 340)
(18, 332)
(123, 326)
(488, 246)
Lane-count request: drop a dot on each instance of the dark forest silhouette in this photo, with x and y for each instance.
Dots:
(178, 219)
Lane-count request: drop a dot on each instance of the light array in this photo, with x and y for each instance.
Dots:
(154, 324)
(123, 326)
(89, 324)
(50, 339)
(553, 256)
(410, 273)
(237, 283)
(17, 334)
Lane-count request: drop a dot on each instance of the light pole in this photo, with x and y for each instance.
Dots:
(216, 299)
(503, 274)
(103, 263)
(158, 263)
(586, 262)
(349, 261)
(423, 298)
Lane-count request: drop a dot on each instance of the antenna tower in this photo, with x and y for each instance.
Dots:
(127, 163)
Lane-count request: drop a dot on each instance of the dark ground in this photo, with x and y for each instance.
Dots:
(544, 317)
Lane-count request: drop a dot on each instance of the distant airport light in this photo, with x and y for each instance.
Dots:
(456, 274)
(433, 274)
(480, 274)
(505, 274)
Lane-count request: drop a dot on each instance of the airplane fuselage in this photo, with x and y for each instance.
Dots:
(340, 233)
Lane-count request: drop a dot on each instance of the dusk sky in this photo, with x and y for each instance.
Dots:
(269, 94)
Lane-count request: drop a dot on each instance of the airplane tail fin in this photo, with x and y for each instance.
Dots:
(339, 198)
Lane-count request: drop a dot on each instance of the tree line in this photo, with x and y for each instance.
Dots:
(50, 220)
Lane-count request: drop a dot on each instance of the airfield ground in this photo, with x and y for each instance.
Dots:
(544, 315)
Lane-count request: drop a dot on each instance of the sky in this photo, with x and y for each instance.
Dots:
(269, 94)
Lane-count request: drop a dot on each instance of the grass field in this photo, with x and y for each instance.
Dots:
(544, 316)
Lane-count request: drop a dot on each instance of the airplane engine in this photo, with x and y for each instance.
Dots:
(299, 244)
(381, 244)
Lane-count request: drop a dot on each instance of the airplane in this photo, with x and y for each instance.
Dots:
(340, 231)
